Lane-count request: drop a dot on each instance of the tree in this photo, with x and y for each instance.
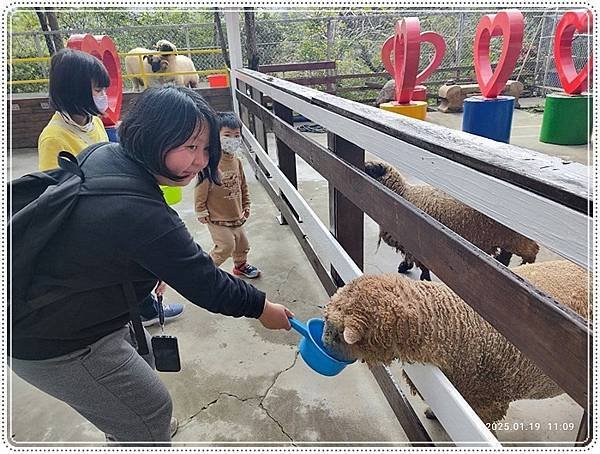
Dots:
(49, 22)
(219, 28)
(45, 28)
(53, 23)
(251, 51)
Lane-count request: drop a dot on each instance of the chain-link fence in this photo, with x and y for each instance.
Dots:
(546, 76)
(184, 36)
(352, 39)
(354, 42)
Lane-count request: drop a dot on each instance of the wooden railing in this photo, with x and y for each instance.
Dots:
(542, 197)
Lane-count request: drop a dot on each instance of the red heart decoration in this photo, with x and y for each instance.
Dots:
(572, 81)
(434, 38)
(510, 25)
(440, 50)
(406, 57)
(103, 48)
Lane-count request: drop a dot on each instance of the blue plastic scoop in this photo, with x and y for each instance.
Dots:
(312, 351)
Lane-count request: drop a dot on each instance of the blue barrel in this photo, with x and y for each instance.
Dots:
(491, 118)
(111, 132)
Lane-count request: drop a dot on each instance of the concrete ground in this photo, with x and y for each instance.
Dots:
(241, 384)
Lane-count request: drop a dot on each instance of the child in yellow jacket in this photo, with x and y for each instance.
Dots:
(225, 208)
(78, 83)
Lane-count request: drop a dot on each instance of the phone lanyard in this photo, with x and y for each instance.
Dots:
(161, 314)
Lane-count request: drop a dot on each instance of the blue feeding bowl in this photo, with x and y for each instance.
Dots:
(312, 351)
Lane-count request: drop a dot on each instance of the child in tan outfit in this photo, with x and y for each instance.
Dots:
(225, 208)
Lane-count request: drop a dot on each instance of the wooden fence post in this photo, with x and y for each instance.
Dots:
(259, 128)
(244, 115)
(346, 220)
(286, 158)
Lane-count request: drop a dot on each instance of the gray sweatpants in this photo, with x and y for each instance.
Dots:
(109, 384)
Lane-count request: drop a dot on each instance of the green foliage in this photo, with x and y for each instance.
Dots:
(282, 36)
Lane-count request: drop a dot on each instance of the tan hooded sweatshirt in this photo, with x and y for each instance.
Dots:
(225, 204)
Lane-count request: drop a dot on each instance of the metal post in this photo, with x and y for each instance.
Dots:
(539, 51)
(459, 37)
(549, 55)
(331, 86)
(234, 41)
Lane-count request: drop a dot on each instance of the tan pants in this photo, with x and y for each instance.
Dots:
(229, 242)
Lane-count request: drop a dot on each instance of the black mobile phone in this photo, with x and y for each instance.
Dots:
(166, 353)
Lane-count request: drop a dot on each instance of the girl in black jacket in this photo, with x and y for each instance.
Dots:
(80, 348)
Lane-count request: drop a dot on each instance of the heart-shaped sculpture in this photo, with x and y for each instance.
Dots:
(103, 48)
(580, 21)
(510, 25)
(439, 46)
(440, 50)
(406, 57)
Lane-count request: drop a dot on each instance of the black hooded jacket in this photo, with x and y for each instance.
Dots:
(113, 238)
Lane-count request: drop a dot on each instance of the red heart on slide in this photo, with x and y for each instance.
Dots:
(431, 37)
(580, 21)
(103, 48)
(509, 24)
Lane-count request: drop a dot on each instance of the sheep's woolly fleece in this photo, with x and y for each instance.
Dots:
(178, 63)
(479, 229)
(389, 317)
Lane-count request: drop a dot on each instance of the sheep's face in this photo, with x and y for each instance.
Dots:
(361, 320)
(165, 46)
(157, 63)
(340, 335)
(335, 344)
(386, 175)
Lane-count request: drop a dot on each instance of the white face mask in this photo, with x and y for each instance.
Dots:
(231, 144)
(101, 101)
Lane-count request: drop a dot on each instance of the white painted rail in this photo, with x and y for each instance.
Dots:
(559, 228)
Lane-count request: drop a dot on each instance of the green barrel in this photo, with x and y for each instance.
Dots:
(567, 119)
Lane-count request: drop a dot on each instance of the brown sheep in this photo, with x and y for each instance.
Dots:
(481, 230)
(388, 317)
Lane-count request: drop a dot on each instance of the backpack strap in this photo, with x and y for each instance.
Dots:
(106, 185)
(67, 161)
(136, 320)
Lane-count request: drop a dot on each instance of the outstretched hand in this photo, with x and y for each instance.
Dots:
(275, 316)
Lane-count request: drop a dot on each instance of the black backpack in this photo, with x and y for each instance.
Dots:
(40, 203)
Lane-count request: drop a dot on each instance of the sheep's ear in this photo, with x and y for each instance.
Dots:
(147, 58)
(351, 335)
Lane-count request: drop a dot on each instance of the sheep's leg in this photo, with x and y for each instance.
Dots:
(504, 257)
(404, 266)
(137, 84)
(425, 276)
(407, 263)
